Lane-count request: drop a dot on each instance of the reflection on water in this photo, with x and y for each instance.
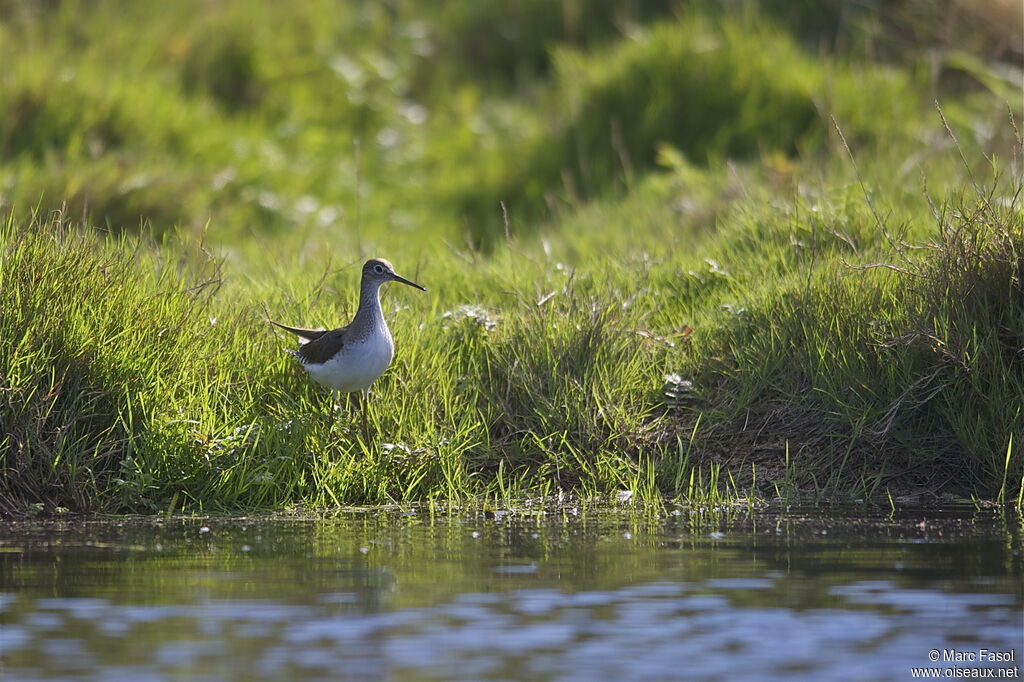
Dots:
(607, 595)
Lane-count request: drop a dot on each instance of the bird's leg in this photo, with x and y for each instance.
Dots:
(349, 406)
(364, 399)
(332, 406)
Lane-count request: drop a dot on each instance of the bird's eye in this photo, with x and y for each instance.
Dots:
(378, 269)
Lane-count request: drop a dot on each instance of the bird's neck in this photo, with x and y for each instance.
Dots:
(369, 317)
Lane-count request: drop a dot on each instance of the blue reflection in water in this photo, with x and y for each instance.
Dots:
(791, 609)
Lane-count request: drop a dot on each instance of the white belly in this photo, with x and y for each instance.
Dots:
(357, 366)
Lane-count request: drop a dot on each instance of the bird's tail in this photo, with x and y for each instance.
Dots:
(305, 335)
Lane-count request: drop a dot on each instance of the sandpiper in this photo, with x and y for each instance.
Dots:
(350, 358)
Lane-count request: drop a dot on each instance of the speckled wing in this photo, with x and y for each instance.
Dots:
(323, 348)
(316, 346)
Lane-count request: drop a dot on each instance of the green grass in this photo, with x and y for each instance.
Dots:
(699, 286)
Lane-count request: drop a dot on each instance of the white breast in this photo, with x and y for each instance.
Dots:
(357, 365)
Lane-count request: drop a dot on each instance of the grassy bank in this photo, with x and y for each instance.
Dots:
(737, 256)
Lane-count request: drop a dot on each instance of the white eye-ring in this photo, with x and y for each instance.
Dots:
(378, 269)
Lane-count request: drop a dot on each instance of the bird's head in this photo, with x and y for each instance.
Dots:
(381, 270)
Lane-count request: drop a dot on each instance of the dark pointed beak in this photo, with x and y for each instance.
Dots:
(403, 280)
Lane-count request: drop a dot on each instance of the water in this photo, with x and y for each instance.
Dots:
(566, 595)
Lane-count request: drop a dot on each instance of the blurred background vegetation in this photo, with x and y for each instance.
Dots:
(360, 116)
(677, 164)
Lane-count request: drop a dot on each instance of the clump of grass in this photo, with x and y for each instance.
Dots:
(76, 364)
(970, 328)
(895, 367)
(560, 392)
